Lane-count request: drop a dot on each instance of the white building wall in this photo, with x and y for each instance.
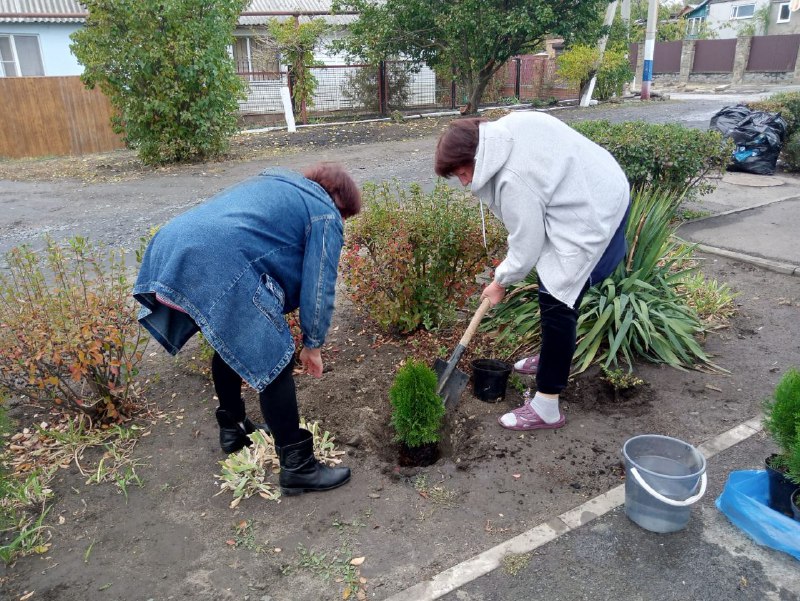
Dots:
(54, 44)
(719, 17)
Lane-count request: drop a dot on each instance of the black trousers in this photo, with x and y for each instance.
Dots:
(559, 333)
(278, 400)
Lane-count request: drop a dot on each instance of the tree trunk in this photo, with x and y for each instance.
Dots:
(483, 77)
(475, 94)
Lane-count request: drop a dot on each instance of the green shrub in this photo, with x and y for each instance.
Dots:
(68, 328)
(791, 152)
(638, 311)
(362, 88)
(411, 258)
(615, 71)
(782, 421)
(417, 410)
(577, 65)
(165, 68)
(667, 156)
(785, 103)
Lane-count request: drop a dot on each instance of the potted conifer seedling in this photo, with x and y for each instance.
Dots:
(417, 413)
(782, 421)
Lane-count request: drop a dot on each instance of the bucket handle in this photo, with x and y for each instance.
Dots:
(662, 498)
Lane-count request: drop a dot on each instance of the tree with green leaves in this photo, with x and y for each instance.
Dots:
(296, 43)
(165, 67)
(471, 39)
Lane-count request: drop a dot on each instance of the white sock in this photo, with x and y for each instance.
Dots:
(546, 408)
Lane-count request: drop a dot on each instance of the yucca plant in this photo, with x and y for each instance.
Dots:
(638, 311)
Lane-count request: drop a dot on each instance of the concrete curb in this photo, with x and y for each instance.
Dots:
(768, 264)
(460, 574)
(743, 209)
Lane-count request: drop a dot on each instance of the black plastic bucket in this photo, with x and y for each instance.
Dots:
(489, 379)
(780, 489)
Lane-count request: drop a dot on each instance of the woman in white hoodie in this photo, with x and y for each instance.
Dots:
(564, 202)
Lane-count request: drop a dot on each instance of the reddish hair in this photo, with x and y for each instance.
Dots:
(457, 146)
(339, 185)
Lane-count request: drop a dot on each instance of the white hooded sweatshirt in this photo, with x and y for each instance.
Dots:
(560, 196)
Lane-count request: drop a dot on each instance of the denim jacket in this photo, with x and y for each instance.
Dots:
(240, 261)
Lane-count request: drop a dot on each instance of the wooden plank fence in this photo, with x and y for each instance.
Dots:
(51, 116)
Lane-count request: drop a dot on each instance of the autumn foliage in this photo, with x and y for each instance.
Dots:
(68, 329)
(411, 259)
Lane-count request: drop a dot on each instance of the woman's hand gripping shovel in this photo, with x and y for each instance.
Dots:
(452, 381)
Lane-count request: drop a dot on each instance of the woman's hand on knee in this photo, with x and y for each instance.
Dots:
(311, 359)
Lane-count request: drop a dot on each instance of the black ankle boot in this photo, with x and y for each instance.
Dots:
(232, 437)
(301, 472)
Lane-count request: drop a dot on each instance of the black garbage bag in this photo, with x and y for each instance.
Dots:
(758, 136)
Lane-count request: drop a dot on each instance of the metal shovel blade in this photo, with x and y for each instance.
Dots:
(453, 387)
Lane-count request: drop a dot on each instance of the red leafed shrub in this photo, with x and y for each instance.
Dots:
(411, 259)
(68, 329)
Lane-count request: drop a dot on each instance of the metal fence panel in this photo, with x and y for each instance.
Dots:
(263, 93)
(667, 57)
(633, 55)
(773, 53)
(714, 56)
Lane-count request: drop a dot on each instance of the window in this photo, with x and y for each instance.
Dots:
(695, 26)
(743, 11)
(784, 13)
(20, 55)
(255, 59)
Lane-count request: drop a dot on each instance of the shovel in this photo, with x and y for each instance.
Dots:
(452, 381)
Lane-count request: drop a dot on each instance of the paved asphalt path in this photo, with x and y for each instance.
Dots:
(613, 559)
(118, 213)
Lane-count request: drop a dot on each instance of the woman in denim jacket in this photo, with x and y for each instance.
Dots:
(231, 268)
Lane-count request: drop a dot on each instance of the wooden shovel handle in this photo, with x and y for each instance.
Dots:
(476, 321)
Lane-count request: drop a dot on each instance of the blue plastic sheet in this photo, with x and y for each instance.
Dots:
(744, 500)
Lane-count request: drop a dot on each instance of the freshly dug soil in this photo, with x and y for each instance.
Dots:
(421, 456)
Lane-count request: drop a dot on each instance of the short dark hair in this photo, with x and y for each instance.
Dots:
(457, 146)
(339, 185)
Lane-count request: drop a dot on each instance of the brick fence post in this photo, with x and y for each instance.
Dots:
(740, 58)
(640, 65)
(687, 60)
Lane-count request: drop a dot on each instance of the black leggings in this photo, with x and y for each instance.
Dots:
(278, 400)
(559, 332)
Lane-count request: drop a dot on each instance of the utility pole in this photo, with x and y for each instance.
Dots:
(649, 48)
(601, 46)
(625, 11)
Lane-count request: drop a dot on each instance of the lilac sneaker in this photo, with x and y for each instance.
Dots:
(527, 366)
(525, 418)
